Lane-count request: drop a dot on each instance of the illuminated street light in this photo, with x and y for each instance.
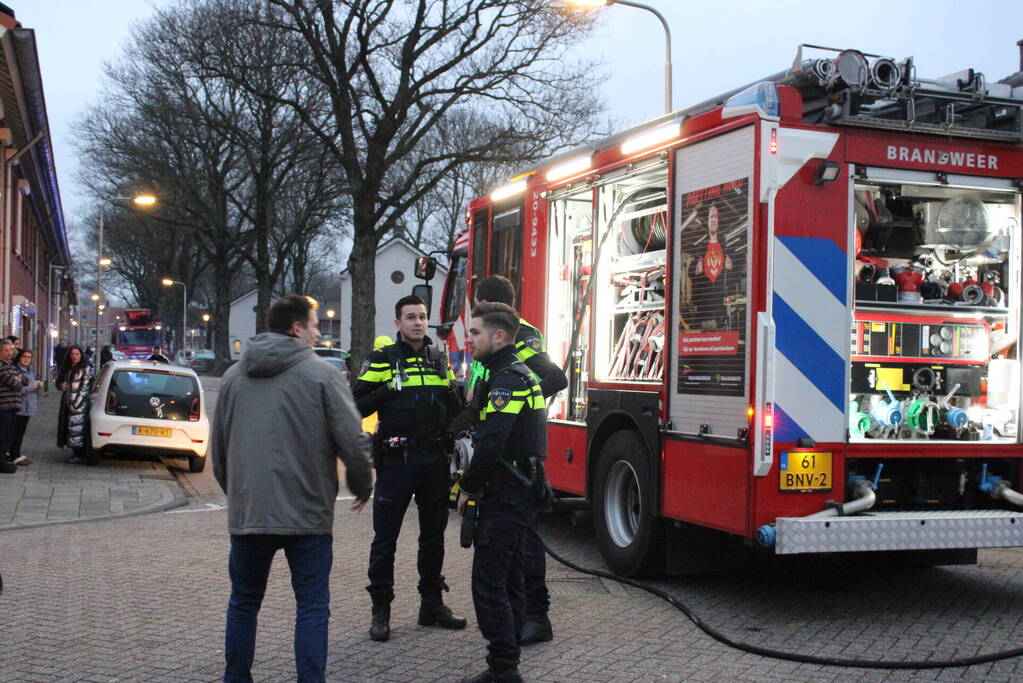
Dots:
(593, 4)
(205, 317)
(94, 297)
(167, 282)
(105, 261)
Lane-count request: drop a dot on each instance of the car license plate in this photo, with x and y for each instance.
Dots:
(151, 431)
(804, 471)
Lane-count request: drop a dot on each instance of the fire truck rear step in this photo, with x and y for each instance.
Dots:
(918, 530)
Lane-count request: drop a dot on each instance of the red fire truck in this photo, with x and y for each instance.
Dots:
(139, 334)
(789, 315)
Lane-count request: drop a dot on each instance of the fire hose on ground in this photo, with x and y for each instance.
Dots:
(864, 491)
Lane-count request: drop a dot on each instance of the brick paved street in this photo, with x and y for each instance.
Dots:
(51, 490)
(142, 599)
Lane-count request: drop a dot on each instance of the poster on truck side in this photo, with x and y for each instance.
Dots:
(712, 248)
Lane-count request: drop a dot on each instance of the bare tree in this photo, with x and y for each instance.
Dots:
(396, 72)
(238, 174)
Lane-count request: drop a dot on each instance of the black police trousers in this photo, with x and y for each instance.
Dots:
(538, 598)
(498, 571)
(423, 474)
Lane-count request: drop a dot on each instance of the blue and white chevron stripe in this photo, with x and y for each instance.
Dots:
(811, 320)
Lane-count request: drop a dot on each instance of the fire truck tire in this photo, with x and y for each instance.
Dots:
(629, 533)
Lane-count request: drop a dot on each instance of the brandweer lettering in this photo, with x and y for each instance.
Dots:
(941, 157)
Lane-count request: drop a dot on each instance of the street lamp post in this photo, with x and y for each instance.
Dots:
(167, 282)
(667, 36)
(95, 300)
(206, 325)
(101, 261)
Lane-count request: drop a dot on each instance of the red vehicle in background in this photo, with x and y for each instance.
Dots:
(140, 334)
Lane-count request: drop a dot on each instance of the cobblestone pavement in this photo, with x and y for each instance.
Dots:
(143, 599)
(52, 491)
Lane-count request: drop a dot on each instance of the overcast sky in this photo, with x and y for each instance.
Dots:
(716, 46)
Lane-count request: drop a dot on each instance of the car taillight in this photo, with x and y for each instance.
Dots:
(111, 404)
(193, 413)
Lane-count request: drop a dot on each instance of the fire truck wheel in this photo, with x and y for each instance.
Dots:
(630, 535)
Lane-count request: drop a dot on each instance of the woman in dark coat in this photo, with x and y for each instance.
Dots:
(73, 381)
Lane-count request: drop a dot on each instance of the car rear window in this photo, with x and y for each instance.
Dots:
(152, 394)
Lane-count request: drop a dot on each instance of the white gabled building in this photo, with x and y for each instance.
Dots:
(395, 277)
(242, 322)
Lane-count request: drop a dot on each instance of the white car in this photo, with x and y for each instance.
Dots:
(150, 408)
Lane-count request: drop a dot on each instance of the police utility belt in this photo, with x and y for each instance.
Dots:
(401, 445)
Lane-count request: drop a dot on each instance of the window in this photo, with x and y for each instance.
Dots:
(152, 394)
(138, 337)
(506, 248)
(397, 277)
(480, 232)
(454, 301)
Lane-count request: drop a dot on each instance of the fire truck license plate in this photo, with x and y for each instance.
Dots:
(805, 471)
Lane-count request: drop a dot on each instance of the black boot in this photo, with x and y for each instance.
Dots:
(433, 611)
(381, 628)
(503, 675)
(537, 629)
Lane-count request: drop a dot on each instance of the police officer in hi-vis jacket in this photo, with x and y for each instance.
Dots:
(409, 385)
(504, 481)
(531, 349)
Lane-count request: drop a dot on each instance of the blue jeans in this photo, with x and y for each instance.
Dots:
(310, 559)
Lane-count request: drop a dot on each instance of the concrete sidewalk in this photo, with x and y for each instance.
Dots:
(51, 491)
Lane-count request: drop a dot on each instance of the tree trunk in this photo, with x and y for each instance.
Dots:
(222, 277)
(362, 266)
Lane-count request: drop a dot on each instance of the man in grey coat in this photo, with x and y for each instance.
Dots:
(283, 418)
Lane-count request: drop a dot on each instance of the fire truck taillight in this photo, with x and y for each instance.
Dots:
(651, 138)
(774, 141)
(768, 419)
(570, 167)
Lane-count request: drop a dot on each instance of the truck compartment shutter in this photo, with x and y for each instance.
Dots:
(709, 381)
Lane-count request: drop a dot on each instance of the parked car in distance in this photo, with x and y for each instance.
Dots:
(341, 365)
(145, 407)
(204, 360)
(331, 352)
(184, 358)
